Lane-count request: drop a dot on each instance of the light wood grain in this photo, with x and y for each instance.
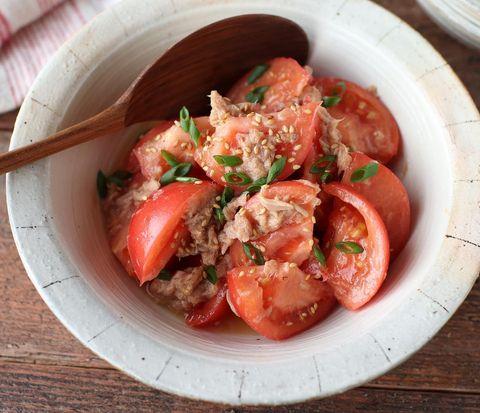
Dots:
(43, 368)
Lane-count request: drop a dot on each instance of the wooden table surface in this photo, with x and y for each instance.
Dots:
(43, 368)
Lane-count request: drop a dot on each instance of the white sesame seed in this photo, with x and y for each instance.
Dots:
(291, 129)
(314, 220)
(308, 111)
(278, 156)
(226, 145)
(297, 147)
(285, 128)
(290, 160)
(295, 167)
(198, 182)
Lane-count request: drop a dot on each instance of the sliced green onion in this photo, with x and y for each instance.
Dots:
(228, 160)
(256, 256)
(237, 178)
(349, 247)
(184, 119)
(171, 160)
(329, 101)
(180, 170)
(257, 73)
(365, 172)
(186, 179)
(276, 169)
(211, 273)
(257, 185)
(325, 170)
(319, 255)
(257, 94)
(219, 215)
(165, 275)
(194, 133)
(101, 184)
(227, 196)
(188, 125)
(337, 94)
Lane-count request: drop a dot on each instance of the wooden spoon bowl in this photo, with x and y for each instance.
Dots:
(211, 58)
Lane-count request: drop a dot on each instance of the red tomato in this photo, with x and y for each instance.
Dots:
(285, 79)
(132, 162)
(156, 229)
(278, 301)
(297, 128)
(293, 241)
(171, 138)
(389, 197)
(367, 125)
(211, 311)
(355, 278)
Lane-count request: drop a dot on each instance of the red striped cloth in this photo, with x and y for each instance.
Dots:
(30, 32)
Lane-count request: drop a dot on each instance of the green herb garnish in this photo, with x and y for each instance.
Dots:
(165, 275)
(211, 273)
(186, 179)
(237, 178)
(257, 185)
(256, 256)
(337, 94)
(182, 169)
(227, 196)
(323, 167)
(171, 160)
(257, 94)
(365, 172)
(188, 125)
(276, 169)
(228, 160)
(119, 177)
(318, 254)
(349, 247)
(257, 73)
(101, 184)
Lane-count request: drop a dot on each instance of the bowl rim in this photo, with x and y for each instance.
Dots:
(461, 233)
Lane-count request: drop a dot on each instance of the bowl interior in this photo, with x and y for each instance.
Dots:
(335, 51)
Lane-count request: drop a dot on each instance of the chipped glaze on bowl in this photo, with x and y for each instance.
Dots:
(57, 225)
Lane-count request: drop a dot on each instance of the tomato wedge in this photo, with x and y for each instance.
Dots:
(171, 138)
(285, 80)
(355, 277)
(256, 140)
(211, 311)
(292, 241)
(157, 230)
(367, 125)
(388, 196)
(278, 300)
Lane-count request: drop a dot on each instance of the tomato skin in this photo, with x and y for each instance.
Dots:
(156, 228)
(211, 311)
(275, 305)
(367, 125)
(229, 134)
(286, 80)
(355, 278)
(389, 197)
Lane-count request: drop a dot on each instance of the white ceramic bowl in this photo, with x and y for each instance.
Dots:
(57, 224)
(461, 18)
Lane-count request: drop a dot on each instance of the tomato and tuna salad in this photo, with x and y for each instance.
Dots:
(276, 207)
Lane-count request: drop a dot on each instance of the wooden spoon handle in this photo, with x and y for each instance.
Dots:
(108, 121)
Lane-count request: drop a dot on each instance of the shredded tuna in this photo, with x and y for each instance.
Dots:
(266, 216)
(231, 208)
(256, 165)
(185, 290)
(222, 108)
(200, 223)
(332, 142)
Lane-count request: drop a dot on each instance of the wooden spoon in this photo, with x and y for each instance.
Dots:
(211, 58)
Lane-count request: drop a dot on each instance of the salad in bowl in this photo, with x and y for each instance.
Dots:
(275, 208)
